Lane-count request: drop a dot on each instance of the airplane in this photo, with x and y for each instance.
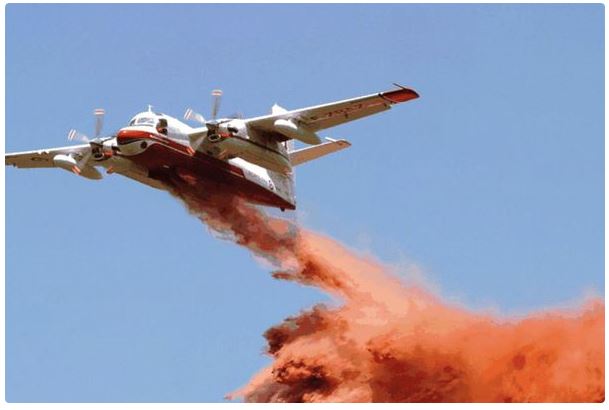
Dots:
(252, 158)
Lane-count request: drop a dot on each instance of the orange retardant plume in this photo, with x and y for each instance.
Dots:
(388, 342)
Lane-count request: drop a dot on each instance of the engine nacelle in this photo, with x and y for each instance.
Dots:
(228, 140)
(227, 148)
(291, 130)
(107, 149)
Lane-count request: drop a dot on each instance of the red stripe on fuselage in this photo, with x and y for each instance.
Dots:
(126, 135)
(129, 135)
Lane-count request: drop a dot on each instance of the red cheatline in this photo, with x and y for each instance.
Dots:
(99, 111)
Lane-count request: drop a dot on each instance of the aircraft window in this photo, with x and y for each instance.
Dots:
(145, 121)
(132, 122)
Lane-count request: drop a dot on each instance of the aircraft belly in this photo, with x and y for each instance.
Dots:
(165, 163)
(125, 166)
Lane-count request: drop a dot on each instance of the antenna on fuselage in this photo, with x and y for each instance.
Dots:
(149, 108)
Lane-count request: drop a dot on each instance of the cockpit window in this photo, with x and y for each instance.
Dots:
(146, 121)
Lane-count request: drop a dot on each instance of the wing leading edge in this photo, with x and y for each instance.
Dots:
(324, 116)
(42, 158)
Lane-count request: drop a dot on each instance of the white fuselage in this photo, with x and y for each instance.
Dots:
(143, 151)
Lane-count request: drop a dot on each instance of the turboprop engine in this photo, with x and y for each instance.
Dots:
(229, 138)
(98, 149)
(291, 130)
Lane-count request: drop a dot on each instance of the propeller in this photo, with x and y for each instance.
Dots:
(99, 124)
(194, 116)
(75, 135)
(217, 98)
(80, 166)
(99, 120)
(200, 134)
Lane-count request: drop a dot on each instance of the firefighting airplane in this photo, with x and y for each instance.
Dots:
(252, 158)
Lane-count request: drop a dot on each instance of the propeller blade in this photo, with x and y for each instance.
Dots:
(217, 96)
(99, 120)
(82, 163)
(85, 170)
(192, 115)
(197, 137)
(75, 135)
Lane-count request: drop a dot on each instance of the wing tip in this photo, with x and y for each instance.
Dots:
(401, 95)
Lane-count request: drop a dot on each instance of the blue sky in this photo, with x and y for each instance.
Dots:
(492, 182)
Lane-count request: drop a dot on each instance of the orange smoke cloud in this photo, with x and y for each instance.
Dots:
(389, 342)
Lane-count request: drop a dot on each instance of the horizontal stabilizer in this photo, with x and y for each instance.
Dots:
(303, 155)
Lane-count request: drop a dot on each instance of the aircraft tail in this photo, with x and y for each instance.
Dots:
(300, 156)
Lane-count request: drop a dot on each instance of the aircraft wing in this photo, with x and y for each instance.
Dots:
(324, 116)
(42, 158)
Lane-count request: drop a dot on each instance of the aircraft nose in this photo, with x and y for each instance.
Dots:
(127, 135)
